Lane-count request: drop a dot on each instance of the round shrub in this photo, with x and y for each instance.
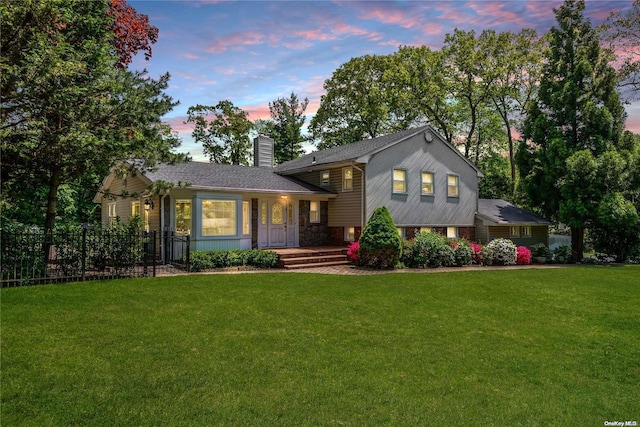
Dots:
(504, 252)
(200, 261)
(523, 256)
(432, 250)
(380, 243)
(462, 252)
(562, 254)
(408, 249)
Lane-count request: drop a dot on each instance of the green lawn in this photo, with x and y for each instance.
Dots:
(478, 348)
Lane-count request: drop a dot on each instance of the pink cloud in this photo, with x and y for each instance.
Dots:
(404, 19)
(316, 34)
(190, 55)
(498, 11)
(342, 28)
(236, 40)
(178, 125)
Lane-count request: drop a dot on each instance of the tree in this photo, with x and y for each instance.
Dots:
(578, 112)
(225, 137)
(67, 107)
(517, 70)
(472, 72)
(287, 116)
(423, 91)
(356, 105)
(622, 31)
(132, 31)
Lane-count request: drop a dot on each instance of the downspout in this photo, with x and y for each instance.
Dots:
(361, 196)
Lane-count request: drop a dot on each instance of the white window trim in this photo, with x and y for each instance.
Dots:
(344, 180)
(394, 180)
(511, 231)
(317, 211)
(422, 182)
(525, 231)
(112, 212)
(457, 185)
(322, 181)
(236, 219)
(348, 235)
(246, 218)
(455, 232)
(135, 206)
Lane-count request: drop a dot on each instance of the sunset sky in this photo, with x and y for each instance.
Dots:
(253, 52)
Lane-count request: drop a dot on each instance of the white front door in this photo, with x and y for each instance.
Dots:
(278, 224)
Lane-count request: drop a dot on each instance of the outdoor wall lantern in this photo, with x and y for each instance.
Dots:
(148, 204)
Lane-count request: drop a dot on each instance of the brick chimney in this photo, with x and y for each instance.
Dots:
(263, 152)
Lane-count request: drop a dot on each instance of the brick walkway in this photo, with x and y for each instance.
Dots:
(349, 270)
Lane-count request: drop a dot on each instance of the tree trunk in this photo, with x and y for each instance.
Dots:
(577, 243)
(52, 200)
(512, 163)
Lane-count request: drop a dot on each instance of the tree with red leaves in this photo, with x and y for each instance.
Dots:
(132, 30)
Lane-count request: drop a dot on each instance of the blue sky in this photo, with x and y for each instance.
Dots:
(253, 52)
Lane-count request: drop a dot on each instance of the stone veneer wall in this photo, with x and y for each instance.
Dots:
(313, 234)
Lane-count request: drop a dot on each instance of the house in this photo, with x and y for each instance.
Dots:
(323, 198)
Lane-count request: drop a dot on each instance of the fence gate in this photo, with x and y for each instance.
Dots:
(177, 249)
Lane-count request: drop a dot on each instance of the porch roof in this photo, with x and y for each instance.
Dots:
(213, 176)
(502, 212)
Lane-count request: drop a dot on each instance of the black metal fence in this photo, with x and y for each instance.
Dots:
(34, 257)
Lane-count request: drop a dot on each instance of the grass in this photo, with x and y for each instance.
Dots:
(517, 347)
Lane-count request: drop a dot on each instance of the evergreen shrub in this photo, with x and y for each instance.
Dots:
(380, 243)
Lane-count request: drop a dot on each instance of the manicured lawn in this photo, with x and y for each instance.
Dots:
(477, 348)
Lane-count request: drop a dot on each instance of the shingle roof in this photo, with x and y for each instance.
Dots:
(212, 176)
(346, 152)
(503, 212)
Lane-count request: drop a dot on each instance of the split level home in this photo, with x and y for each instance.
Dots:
(323, 198)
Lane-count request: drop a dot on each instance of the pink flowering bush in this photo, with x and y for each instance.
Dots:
(477, 253)
(352, 252)
(523, 256)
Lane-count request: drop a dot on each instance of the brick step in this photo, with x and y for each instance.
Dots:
(312, 259)
(308, 254)
(315, 264)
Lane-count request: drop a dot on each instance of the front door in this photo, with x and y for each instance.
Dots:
(278, 225)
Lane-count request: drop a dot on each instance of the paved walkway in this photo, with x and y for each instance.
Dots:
(350, 270)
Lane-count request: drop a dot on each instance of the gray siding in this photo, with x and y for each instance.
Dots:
(415, 155)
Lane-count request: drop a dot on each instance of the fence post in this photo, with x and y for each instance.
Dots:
(153, 252)
(145, 243)
(84, 252)
(188, 253)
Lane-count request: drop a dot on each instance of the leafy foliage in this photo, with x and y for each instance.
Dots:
(287, 119)
(223, 130)
(205, 260)
(523, 255)
(132, 31)
(68, 109)
(380, 243)
(352, 252)
(431, 250)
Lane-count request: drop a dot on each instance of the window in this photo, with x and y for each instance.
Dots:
(347, 179)
(452, 185)
(452, 232)
(263, 213)
(245, 217)
(526, 231)
(325, 178)
(400, 232)
(111, 213)
(135, 208)
(219, 218)
(514, 231)
(183, 216)
(425, 229)
(427, 183)
(399, 181)
(314, 212)
(350, 234)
